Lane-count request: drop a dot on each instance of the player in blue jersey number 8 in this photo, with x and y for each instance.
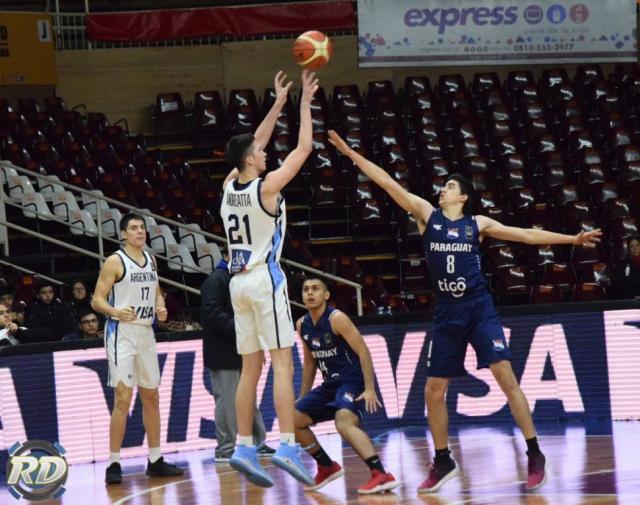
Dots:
(464, 312)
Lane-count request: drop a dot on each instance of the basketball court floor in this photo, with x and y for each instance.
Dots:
(595, 463)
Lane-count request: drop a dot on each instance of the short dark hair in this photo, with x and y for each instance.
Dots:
(44, 283)
(238, 149)
(326, 285)
(128, 217)
(224, 250)
(85, 312)
(466, 188)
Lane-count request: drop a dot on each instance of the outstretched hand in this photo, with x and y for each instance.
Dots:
(309, 86)
(588, 238)
(281, 89)
(338, 142)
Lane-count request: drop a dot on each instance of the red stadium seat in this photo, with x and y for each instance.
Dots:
(559, 274)
(546, 293)
(588, 292)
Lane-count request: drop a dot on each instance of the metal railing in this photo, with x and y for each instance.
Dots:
(31, 272)
(4, 200)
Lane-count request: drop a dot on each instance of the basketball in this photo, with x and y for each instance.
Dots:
(312, 50)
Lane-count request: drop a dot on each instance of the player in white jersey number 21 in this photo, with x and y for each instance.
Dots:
(254, 216)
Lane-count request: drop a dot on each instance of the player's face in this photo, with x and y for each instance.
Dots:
(259, 158)
(634, 248)
(450, 194)
(46, 294)
(314, 294)
(136, 233)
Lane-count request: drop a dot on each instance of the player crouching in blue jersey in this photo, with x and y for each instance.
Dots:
(334, 345)
(464, 313)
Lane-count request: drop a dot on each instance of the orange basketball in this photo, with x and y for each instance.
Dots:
(312, 50)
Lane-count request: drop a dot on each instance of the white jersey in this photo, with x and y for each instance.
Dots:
(255, 236)
(136, 288)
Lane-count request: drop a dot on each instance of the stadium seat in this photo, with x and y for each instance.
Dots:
(179, 258)
(546, 293)
(35, 202)
(559, 274)
(588, 292)
(208, 255)
(111, 222)
(514, 285)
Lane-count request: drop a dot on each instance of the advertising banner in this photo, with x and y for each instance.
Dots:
(27, 50)
(571, 366)
(494, 32)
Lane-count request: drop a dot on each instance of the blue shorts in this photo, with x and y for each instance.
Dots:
(322, 403)
(455, 325)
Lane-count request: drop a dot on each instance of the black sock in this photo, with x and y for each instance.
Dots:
(374, 463)
(533, 449)
(443, 454)
(322, 457)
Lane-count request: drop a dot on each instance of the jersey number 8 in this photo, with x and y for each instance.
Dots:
(451, 265)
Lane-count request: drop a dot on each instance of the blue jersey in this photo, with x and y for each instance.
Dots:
(336, 360)
(452, 250)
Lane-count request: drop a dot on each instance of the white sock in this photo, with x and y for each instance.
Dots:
(248, 441)
(114, 457)
(288, 438)
(154, 454)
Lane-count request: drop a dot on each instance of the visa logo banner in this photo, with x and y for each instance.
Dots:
(569, 365)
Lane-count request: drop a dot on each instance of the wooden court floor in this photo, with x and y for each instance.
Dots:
(588, 466)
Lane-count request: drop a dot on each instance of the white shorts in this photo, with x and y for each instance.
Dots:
(132, 355)
(262, 312)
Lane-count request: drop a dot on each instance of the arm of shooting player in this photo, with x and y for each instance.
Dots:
(309, 366)
(343, 326)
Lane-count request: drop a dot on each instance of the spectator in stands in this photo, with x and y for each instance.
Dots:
(8, 329)
(80, 298)
(16, 309)
(628, 272)
(88, 324)
(223, 361)
(48, 316)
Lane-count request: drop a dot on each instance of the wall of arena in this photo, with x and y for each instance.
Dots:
(124, 82)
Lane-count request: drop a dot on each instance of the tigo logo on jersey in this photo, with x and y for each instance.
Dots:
(315, 342)
(239, 260)
(456, 288)
(453, 233)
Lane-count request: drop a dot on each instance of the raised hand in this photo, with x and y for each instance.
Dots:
(338, 142)
(588, 238)
(309, 86)
(281, 89)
